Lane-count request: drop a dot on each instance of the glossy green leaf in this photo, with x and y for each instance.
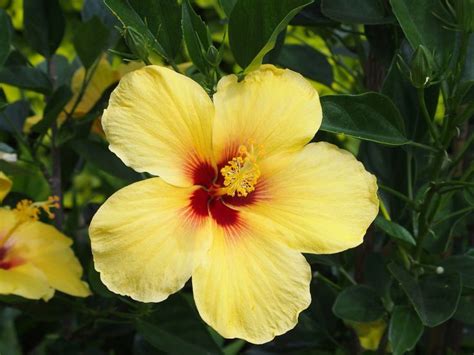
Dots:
(44, 25)
(421, 26)
(405, 330)
(369, 12)
(359, 304)
(434, 297)
(163, 19)
(370, 116)
(53, 108)
(5, 36)
(307, 61)
(100, 157)
(395, 230)
(175, 328)
(87, 50)
(133, 23)
(464, 265)
(26, 78)
(254, 27)
(196, 37)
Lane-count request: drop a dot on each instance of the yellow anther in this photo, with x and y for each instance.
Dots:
(28, 210)
(241, 173)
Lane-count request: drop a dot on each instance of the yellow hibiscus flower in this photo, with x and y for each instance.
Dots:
(240, 196)
(35, 258)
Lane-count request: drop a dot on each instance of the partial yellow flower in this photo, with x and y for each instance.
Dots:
(35, 258)
(370, 334)
(105, 75)
(241, 195)
(5, 186)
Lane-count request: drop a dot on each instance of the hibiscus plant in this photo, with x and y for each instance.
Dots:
(236, 177)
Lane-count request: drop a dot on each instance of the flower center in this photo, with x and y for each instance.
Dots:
(241, 173)
(25, 211)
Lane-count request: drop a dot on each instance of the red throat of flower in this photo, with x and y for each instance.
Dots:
(236, 184)
(7, 260)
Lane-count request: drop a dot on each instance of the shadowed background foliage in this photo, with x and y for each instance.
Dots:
(396, 83)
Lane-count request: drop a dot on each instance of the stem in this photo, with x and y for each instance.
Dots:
(454, 214)
(55, 178)
(422, 146)
(347, 275)
(397, 194)
(431, 127)
(423, 223)
(410, 187)
(329, 282)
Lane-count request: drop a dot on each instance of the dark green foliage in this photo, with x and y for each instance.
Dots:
(369, 116)
(254, 27)
(396, 82)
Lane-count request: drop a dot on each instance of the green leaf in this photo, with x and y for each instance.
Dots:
(405, 330)
(87, 50)
(254, 27)
(26, 78)
(163, 18)
(5, 36)
(358, 304)
(196, 37)
(421, 26)
(395, 230)
(175, 328)
(44, 25)
(370, 116)
(307, 61)
(434, 297)
(53, 108)
(464, 265)
(13, 117)
(369, 12)
(227, 6)
(103, 159)
(131, 21)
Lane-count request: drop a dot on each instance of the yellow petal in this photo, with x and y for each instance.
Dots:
(5, 186)
(250, 286)
(8, 220)
(159, 121)
(146, 240)
(25, 281)
(322, 198)
(274, 108)
(50, 251)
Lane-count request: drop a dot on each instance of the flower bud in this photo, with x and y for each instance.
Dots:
(422, 67)
(213, 56)
(136, 42)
